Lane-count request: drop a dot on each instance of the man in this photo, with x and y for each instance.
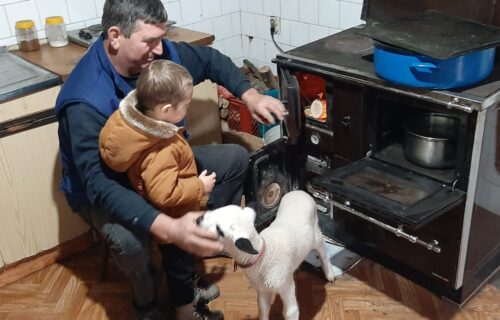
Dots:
(133, 32)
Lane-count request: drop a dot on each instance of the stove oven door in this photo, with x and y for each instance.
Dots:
(272, 169)
(269, 178)
(396, 196)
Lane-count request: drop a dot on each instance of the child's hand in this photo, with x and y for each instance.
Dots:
(208, 181)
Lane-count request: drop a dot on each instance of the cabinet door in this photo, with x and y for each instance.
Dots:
(34, 214)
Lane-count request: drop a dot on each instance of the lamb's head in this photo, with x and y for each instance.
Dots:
(235, 226)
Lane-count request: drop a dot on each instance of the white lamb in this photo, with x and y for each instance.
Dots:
(270, 258)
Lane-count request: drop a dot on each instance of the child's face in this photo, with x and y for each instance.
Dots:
(173, 113)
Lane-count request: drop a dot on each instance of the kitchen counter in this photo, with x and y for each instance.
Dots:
(62, 60)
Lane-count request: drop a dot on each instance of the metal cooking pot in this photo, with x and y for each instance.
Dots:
(430, 140)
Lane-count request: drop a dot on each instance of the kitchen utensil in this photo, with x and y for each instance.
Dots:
(430, 140)
(417, 70)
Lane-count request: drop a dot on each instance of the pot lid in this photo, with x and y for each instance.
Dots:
(435, 34)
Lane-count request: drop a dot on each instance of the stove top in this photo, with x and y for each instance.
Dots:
(348, 55)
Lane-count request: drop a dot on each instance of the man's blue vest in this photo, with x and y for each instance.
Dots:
(94, 82)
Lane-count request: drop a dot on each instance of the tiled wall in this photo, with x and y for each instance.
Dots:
(301, 21)
(241, 27)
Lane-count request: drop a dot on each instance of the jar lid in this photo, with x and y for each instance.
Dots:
(25, 24)
(54, 20)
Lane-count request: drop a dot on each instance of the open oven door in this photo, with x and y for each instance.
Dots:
(272, 169)
(375, 190)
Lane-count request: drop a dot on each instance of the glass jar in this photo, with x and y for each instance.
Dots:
(26, 35)
(55, 30)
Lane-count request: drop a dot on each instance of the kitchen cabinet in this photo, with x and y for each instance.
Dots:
(34, 213)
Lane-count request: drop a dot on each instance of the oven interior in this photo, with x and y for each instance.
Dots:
(387, 117)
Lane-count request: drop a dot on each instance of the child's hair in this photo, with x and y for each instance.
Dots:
(162, 81)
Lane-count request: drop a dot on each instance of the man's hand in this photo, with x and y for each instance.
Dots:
(184, 233)
(262, 107)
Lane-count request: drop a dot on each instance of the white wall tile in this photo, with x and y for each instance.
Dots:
(248, 25)
(230, 6)
(91, 22)
(233, 47)
(48, 8)
(5, 31)
(2, 2)
(81, 10)
(290, 9)
(222, 29)
(271, 52)
(317, 32)
(238, 62)
(257, 49)
(22, 11)
(333, 31)
(284, 36)
(256, 6)
(262, 27)
(219, 45)
(191, 11)
(272, 8)
(329, 14)
(202, 26)
(236, 23)
(308, 11)
(99, 5)
(174, 12)
(8, 41)
(350, 14)
(299, 33)
(211, 8)
(243, 5)
(245, 44)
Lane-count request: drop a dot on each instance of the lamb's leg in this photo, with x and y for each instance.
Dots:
(290, 306)
(264, 299)
(323, 256)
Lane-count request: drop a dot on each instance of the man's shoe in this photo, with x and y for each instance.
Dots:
(197, 311)
(205, 291)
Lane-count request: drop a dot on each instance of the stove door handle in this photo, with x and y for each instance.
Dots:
(432, 245)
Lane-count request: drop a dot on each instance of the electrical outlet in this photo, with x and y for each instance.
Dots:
(275, 22)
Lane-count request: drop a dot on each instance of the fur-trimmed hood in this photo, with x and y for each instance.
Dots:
(128, 133)
(138, 120)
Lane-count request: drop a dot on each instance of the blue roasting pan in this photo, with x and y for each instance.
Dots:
(412, 69)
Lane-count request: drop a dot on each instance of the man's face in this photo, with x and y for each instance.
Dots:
(136, 52)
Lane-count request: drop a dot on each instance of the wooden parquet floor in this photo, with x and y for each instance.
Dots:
(72, 290)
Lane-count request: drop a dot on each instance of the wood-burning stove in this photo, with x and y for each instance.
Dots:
(345, 126)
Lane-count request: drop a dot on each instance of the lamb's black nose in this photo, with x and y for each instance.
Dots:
(199, 220)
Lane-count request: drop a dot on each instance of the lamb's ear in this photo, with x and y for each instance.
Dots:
(249, 214)
(245, 245)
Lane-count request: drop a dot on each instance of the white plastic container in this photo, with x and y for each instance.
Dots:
(55, 30)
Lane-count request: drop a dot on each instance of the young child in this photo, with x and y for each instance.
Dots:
(142, 139)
